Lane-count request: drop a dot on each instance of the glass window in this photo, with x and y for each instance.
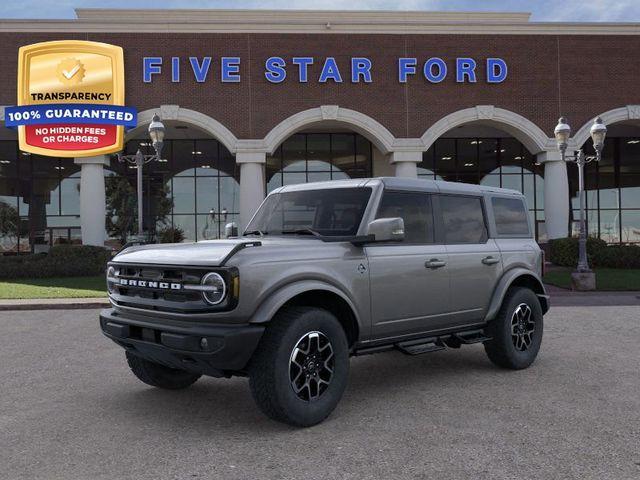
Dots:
(206, 195)
(183, 195)
(315, 157)
(511, 216)
(319, 152)
(414, 209)
(463, 219)
(631, 226)
(187, 223)
(336, 212)
(445, 158)
(467, 155)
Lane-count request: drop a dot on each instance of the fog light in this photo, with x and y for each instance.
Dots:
(204, 344)
(215, 288)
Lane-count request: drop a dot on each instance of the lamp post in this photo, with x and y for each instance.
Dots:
(156, 133)
(562, 133)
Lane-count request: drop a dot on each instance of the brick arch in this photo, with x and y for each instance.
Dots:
(374, 131)
(192, 117)
(527, 132)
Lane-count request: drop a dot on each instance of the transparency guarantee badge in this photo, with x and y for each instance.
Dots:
(71, 99)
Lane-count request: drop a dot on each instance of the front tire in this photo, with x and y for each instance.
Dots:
(158, 375)
(516, 331)
(300, 369)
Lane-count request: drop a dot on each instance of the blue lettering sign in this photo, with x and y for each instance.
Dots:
(200, 71)
(406, 66)
(175, 69)
(230, 69)
(330, 71)
(428, 70)
(360, 67)
(275, 69)
(303, 65)
(496, 70)
(151, 66)
(465, 67)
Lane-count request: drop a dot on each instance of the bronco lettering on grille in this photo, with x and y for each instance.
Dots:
(150, 284)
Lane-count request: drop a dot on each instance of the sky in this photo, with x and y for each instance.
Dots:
(542, 10)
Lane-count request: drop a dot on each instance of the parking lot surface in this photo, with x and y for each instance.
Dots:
(70, 409)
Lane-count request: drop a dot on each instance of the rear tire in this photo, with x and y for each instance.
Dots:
(300, 369)
(516, 331)
(160, 376)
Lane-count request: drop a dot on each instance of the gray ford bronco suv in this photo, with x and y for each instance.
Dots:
(325, 271)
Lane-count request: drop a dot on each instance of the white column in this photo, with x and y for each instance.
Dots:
(93, 209)
(556, 194)
(406, 163)
(252, 184)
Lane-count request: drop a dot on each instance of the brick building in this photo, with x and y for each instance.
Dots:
(256, 99)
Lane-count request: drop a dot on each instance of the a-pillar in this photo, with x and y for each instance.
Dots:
(252, 184)
(556, 194)
(406, 163)
(92, 199)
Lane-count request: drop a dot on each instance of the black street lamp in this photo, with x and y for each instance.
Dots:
(156, 133)
(598, 132)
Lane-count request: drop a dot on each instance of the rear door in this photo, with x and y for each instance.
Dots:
(409, 280)
(474, 264)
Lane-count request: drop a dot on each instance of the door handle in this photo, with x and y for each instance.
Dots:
(434, 263)
(490, 260)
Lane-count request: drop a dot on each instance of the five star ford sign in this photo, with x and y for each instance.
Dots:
(70, 99)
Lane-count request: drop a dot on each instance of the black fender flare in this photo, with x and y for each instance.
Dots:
(522, 276)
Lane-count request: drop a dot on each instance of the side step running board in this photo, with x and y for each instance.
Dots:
(428, 344)
(421, 345)
(472, 336)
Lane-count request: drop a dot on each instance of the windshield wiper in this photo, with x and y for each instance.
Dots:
(302, 231)
(255, 232)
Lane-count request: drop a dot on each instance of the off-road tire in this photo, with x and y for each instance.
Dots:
(158, 375)
(502, 349)
(269, 369)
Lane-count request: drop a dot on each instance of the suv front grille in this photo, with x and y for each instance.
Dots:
(163, 288)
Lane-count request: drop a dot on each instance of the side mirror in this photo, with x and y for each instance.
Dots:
(231, 230)
(386, 229)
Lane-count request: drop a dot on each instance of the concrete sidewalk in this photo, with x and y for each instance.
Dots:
(53, 303)
(560, 297)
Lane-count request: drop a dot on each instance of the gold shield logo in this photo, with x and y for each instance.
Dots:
(76, 74)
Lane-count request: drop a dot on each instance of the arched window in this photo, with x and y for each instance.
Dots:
(315, 157)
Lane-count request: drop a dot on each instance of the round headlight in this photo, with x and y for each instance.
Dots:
(111, 273)
(215, 288)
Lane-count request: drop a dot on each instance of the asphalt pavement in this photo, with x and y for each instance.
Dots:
(70, 409)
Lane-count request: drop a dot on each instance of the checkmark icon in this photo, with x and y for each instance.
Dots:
(71, 73)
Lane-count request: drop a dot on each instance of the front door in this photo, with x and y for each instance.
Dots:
(409, 280)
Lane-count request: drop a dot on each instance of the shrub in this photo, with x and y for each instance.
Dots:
(61, 261)
(171, 235)
(564, 252)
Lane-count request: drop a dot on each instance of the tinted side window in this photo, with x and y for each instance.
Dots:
(414, 209)
(463, 219)
(511, 216)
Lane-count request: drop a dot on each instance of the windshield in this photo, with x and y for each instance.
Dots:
(325, 212)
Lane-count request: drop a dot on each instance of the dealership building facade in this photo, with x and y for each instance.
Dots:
(253, 100)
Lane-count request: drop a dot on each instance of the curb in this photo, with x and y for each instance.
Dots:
(53, 304)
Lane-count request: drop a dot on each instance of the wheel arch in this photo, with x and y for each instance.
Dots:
(313, 294)
(517, 277)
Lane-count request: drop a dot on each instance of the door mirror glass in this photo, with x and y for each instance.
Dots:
(386, 229)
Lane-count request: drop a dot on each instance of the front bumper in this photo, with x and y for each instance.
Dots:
(215, 350)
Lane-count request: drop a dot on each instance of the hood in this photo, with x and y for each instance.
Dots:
(210, 253)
